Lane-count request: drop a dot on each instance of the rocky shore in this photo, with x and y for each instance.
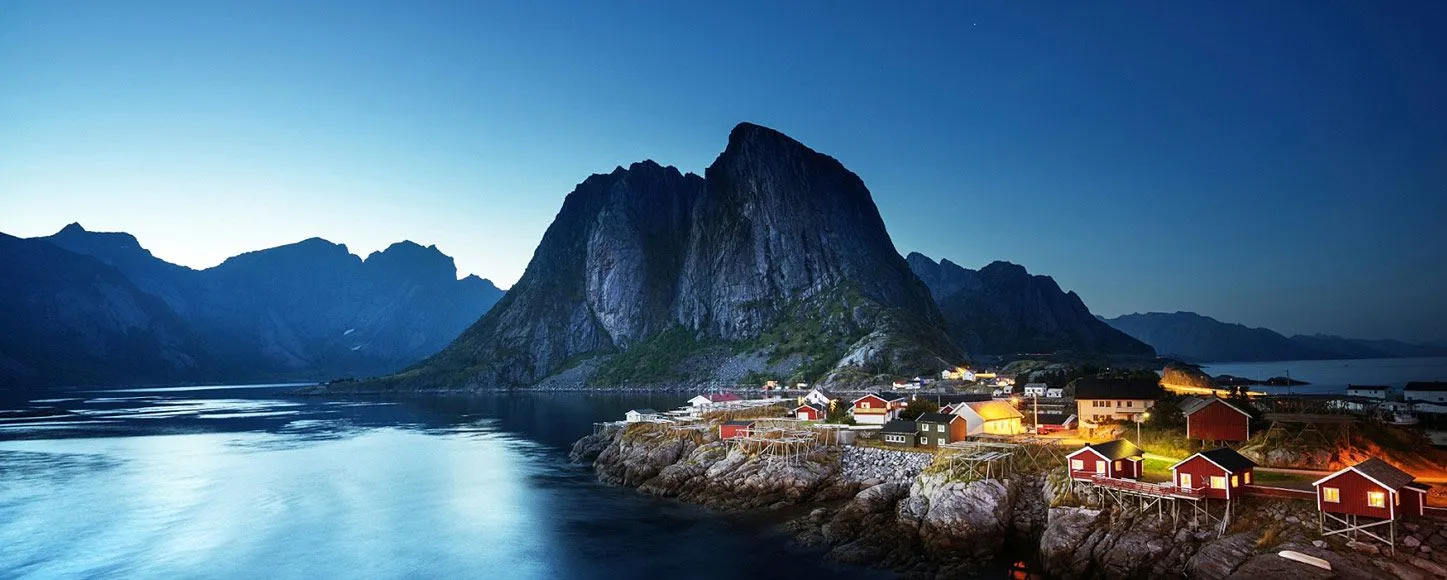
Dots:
(895, 510)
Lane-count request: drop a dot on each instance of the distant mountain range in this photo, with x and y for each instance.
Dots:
(1002, 309)
(1193, 337)
(82, 307)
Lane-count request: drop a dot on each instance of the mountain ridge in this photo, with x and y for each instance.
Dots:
(1199, 338)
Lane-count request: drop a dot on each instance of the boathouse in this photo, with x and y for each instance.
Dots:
(731, 429)
(1218, 473)
(899, 433)
(1214, 419)
(1367, 499)
(1371, 489)
(639, 415)
(1425, 392)
(1118, 459)
(810, 412)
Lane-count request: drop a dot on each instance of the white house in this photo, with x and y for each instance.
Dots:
(1035, 389)
(1426, 392)
(990, 417)
(1054, 392)
(639, 415)
(820, 397)
(1382, 392)
(699, 401)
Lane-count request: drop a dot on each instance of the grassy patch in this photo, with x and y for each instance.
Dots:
(652, 361)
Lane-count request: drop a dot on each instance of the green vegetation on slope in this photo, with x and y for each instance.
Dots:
(654, 360)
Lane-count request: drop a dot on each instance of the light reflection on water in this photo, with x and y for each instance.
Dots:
(181, 485)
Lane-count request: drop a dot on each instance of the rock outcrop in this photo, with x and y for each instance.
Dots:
(779, 252)
(1003, 309)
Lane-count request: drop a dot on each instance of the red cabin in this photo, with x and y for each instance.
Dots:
(1218, 473)
(809, 413)
(1119, 459)
(1214, 419)
(1373, 489)
(731, 429)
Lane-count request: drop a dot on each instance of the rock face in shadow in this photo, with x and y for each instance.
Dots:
(777, 241)
(1003, 309)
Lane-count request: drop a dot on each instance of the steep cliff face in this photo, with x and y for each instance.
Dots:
(1003, 309)
(778, 241)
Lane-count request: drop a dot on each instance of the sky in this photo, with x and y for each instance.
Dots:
(1279, 164)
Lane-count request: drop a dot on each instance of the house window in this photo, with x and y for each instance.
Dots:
(1130, 403)
(1247, 477)
(924, 440)
(864, 405)
(940, 428)
(1331, 495)
(1100, 467)
(1234, 483)
(1218, 482)
(1376, 499)
(941, 441)
(1186, 480)
(1077, 465)
(1117, 465)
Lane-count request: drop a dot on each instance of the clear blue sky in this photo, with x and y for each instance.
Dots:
(1280, 163)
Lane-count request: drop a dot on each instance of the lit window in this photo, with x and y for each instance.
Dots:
(1234, 483)
(1218, 482)
(1077, 465)
(1100, 467)
(1186, 480)
(1376, 499)
(1117, 465)
(1247, 475)
(1331, 495)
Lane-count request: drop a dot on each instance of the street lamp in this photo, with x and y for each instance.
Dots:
(1140, 418)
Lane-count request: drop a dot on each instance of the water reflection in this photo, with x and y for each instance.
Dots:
(251, 483)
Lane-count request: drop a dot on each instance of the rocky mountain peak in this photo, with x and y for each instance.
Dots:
(410, 259)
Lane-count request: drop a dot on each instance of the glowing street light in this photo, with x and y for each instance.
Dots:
(1140, 418)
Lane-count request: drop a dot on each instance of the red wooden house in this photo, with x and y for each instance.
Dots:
(1218, 473)
(731, 429)
(872, 409)
(809, 412)
(1371, 489)
(1118, 459)
(1214, 419)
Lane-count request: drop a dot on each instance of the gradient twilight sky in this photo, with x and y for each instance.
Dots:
(1272, 163)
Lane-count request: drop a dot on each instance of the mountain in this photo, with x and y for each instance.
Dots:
(309, 310)
(1190, 336)
(1003, 309)
(1193, 337)
(1365, 348)
(775, 261)
(68, 318)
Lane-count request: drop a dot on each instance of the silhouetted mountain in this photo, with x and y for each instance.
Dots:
(67, 318)
(1190, 336)
(1364, 348)
(778, 254)
(1002, 309)
(305, 310)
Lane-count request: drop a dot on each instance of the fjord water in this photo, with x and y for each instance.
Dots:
(1333, 376)
(251, 482)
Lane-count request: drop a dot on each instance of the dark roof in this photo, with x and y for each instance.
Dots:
(898, 426)
(1385, 473)
(1426, 386)
(1228, 458)
(740, 423)
(1140, 389)
(1420, 486)
(935, 418)
(1054, 418)
(1194, 404)
(1117, 449)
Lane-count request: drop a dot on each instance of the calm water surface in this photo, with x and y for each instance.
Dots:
(249, 482)
(1333, 376)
